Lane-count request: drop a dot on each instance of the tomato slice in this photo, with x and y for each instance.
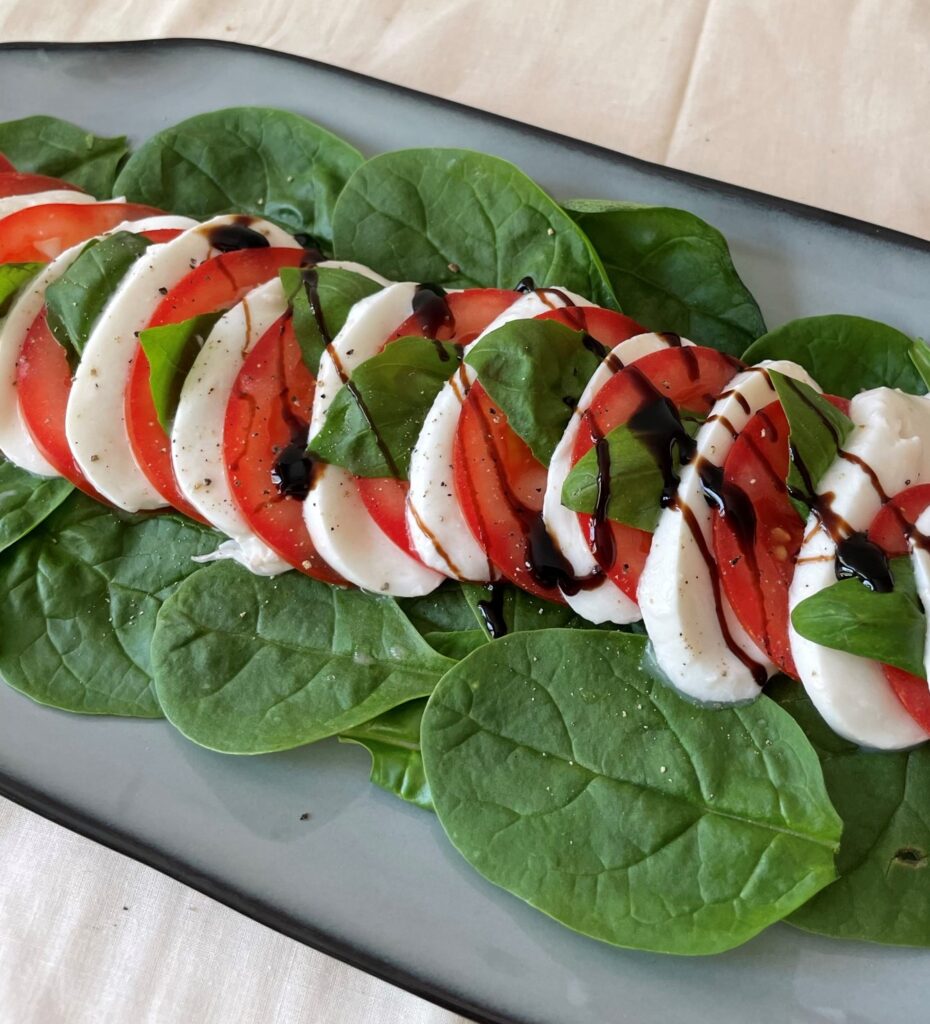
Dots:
(40, 233)
(216, 285)
(5, 165)
(500, 484)
(21, 183)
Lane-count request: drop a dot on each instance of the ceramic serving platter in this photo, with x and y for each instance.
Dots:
(300, 840)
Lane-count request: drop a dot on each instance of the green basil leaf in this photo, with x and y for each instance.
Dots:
(47, 145)
(25, 500)
(883, 892)
(566, 772)
(887, 627)
(83, 590)
(535, 370)
(13, 277)
(816, 429)
(844, 354)
(671, 271)
(920, 357)
(76, 299)
(282, 661)
(320, 310)
(393, 740)
(463, 219)
(374, 422)
(171, 350)
(269, 163)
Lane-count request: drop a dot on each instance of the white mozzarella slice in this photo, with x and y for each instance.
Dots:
(435, 521)
(13, 204)
(95, 421)
(702, 651)
(892, 437)
(604, 602)
(16, 442)
(920, 559)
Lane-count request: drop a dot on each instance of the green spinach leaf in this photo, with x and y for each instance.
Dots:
(13, 277)
(279, 662)
(256, 160)
(464, 219)
(519, 611)
(920, 357)
(25, 500)
(671, 271)
(445, 610)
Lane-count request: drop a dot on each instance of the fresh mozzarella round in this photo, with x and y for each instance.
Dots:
(605, 602)
(920, 559)
(435, 522)
(892, 437)
(13, 204)
(702, 650)
(16, 442)
(95, 421)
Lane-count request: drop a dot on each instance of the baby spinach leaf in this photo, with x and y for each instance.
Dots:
(83, 590)
(920, 357)
(393, 740)
(849, 616)
(13, 277)
(447, 609)
(457, 645)
(501, 606)
(374, 421)
(883, 892)
(321, 298)
(816, 429)
(465, 219)
(567, 773)
(535, 370)
(76, 299)
(47, 145)
(269, 163)
(844, 354)
(171, 350)
(671, 271)
(246, 664)
(25, 500)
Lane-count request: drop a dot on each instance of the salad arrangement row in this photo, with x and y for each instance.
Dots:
(521, 496)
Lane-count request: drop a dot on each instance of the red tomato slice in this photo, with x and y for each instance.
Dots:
(5, 164)
(40, 233)
(500, 484)
(215, 285)
(20, 183)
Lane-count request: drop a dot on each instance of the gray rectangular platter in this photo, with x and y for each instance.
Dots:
(365, 877)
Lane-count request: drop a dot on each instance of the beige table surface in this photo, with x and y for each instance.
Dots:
(823, 101)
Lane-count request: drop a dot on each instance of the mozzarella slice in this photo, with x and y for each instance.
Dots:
(95, 421)
(435, 521)
(604, 602)
(16, 442)
(13, 204)
(920, 559)
(892, 437)
(698, 641)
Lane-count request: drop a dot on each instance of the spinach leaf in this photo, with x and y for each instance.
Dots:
(920, 357)
(256, 160)
(883, 892)
(535, 370)
(25, 500)
(76, 299)
(374, 422)
(393, 740)
(13, 277)
(671, 271)
(887, 627)
(457, 645)
(282, 661)
(47, 145)
(517, 611)
(445, 610)
(171, 350)
(816, 431)
(464, 219)
(83, 590)
(321, 299)
(570, 775)
(844, 354)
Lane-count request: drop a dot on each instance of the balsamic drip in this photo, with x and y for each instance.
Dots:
(292, 472)
(857, 557)
(431, 308)
(613, 363)
(525, 285)
(312, 252)
(235, 236)
(671, 339)
(689, 355)
(595, 347)
(657, 425)
(492, 611)
(600, 535)
(730, 500)
(311, 282)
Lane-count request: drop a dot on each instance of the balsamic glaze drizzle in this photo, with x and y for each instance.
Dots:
(492, 611)
(236, 235)
(432, 312)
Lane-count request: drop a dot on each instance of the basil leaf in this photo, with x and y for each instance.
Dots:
(464, 219)
(13, 277)
(25, 500)
(887, 627)
(269, 163)
(282, 661)
(535, 371)
(671, 271)
(47, 145)
(816, 430)
(321, 308)
(171, 350)
(83, 590)
(76, 299)
(920, 357)
(393, 740)
(373, 423)
(844, 354)
(570, 775)
(883, 892)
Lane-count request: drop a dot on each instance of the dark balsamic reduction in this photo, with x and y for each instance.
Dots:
(857, 557)
(525, 285)
(292, 472)
(236, 236)
(595, 347)
(431, 309)
(600, 535)
(492, 611)
(311, 283)
(657, 425)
